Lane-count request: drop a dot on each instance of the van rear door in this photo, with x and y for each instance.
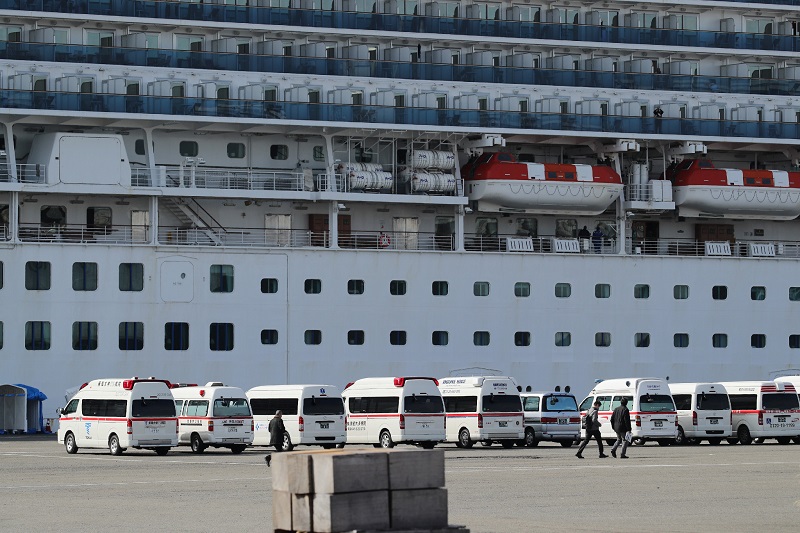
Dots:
(232, 421)
(502, 416)
(153, 421)
(323, 419)
(424, 417)
(713, 414)
(781, 412)
(656, 416)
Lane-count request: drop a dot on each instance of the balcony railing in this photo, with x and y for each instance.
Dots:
(26, 173)
(82, 234)
(220, 178)
(393, 116)
(393, 69)
(415, 24)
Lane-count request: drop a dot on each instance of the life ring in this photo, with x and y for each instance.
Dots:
(384, 241)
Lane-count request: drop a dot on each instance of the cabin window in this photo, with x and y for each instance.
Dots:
(569, 175)
(53, 216)
(220, 337)
(486, 227)
(269, 336)
(355, 286)
(719, 340)
(269, 286)
(563, 290)
(439, 288)
(527, 227)
(176, 336)
(758, 25)
(766, 181)
(138, 147)
(566, 228)
(505, 158)
(522, 338)
(480, 338)
(98, 217)
(221, 278)
(131, 277)
(131, 335)
(641, 340)
(189, 148)
(355, 337)
(680, 292)
(37, 335)
(680, 340)
(192, 43)
(602, 290)
(319, 153)
(84, 276)
(641, 291)
(758, 340)
(312, 337)
(758, 293)
(397, 338)
(397, 287)
(563, 338)
(84, 335)
(37, 276)
(11, 34)
(439, 338)
(236, 150)
(750, 181)
(480, 288)
(602, 339)
(279, 152)
(362, 155)
(794, 340)
(522, 289)
(794, 294)
(313, 286)
(719, 292)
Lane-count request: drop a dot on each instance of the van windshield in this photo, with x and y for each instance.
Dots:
(560, 403)
(231, 407)
(323, 406)
(142, 408)
(423, 404)
(712, 402)
(500, 403)
(779, 401)
(656, 403)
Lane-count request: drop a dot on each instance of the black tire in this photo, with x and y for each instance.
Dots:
(639, 441)
(386, 441)
(714, 442)
(732, 440)
(566, 444)
(162, 451)
(744, 435)
(530, 438)
(680, 438)
(464, 439)
(665, 442)
(197, 444)
(340, 445)
(428, 445)
(486, 443)
(610, 442)
(796, 440)
(507, 444)
(328, 446)
(113, 445)
(287, 443)
(238, 448)
(784, 440)
(520, 443)
(69, 443)
(758, 440)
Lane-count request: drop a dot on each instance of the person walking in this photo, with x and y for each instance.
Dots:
(592, 430)
(276, 431)
(621, 424)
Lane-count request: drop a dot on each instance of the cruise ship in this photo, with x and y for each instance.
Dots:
(314, 191)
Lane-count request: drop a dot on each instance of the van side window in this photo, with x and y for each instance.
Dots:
(115, 408)
(71, 407)
(560, 403)
(605, 403)
(268, 406)
(379, 404)
(741, 402)
(460, 404)
(587, 403)
(683, 402)
(178, 406)
(500, 403)
(531, 403)
(196, 408)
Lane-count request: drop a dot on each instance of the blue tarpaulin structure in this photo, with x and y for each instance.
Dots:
(35, 397)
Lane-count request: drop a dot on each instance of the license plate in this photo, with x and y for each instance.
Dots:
(502, 424)
(233, 429)
(781, 419)
(562, 421)
(658, 423)
(713, 421)
(324, 425)
(153, 429)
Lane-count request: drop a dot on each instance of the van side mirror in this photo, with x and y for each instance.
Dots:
(60, 411)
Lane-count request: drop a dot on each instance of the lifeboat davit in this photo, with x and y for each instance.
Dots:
(700, 190)
(498, 182)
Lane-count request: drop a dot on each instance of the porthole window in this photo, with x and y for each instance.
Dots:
(602, 290)
(563, 290)
(397, 287)
(522, 289)
(480, 338)
(480, 288)
(355, 337)
(719, 292)
(602, 339)
(719, 340)
(758, 340)
(641, 340)
(355, 286)
(680, 340)
(189, 148)
(680, 292)
(439, 338)
(439, 288)
(397, 338)
(758, 293)
(563, 338)
(641, 291)
(269, 336)
(236, 150)
(522, 338)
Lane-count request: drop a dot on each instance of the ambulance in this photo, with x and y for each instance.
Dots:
(482, 409)
(311, 414)
(387, 411)
(550, 416)
(763, 410)
(650, 403)
(795, 381)
(704, 412)
(118, 414)
(213, 415)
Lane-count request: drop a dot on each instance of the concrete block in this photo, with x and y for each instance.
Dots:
(301, 512)
(418, 509)
(292, 472)
(341, 472)
(416, 469)
(334, 513)
(282, 510)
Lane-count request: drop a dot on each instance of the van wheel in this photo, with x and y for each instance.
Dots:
(328, 446)
(507, 444)
(759, 440)
(197, 444)
(386, 439)
(566, 444)
(639, 441)
(486, 443)
(162, 451)
(680, 438)
(69, 443)
(784, 440)
(429, 445)
(463, 438)
(714, 442)
(732, 441)
(287, 443)
(530, 438)
(610, 442)
(113, 445)
(238, 448)
(665, 442)
(796, 440)
(340, 445)
(744, 435)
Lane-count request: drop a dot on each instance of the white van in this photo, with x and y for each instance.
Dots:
(389, 411)
(312, 414)
(550, 416)
(213, 415)
(795, 381)
(482, 409)
(120, 414)
(650, 403)
(763, 410)
(704, 412)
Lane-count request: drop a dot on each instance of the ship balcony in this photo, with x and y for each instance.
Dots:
(84, 234)
(26, 173)
(318, 19)
(655, 195)
(221, 178)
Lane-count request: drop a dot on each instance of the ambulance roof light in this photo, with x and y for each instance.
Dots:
(214, 384)
(399, 382)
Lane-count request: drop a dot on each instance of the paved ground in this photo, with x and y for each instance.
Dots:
(700, 488)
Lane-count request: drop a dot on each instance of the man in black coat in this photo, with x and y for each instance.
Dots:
(621, 424)
(592, 431)
(276, 431)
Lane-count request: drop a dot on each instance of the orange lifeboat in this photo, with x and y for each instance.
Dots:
(700, 190)
(498, 182)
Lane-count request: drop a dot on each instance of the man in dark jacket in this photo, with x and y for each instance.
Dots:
(621, 424)
(276, 431)
(592, 430)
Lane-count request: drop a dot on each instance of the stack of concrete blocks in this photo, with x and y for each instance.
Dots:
(362, 490)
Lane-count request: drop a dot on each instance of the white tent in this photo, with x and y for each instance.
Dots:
(13, 409)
